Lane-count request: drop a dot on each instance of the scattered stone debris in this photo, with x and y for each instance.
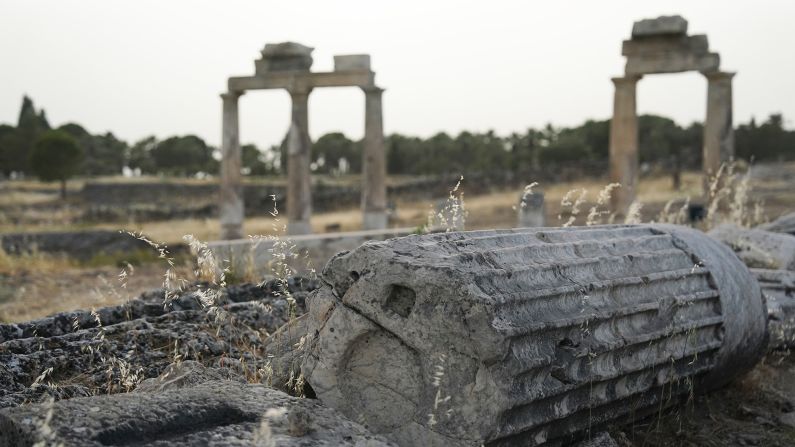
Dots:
(82, 353)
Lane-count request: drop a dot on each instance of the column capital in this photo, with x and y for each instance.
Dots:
(626, 79)
(232, 95)
(299, 91)
(373, 89)
(719, 75)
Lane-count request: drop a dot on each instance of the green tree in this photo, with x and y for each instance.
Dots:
(56, 157)
(104, 154)
(185, 156)
(139, 156)
(330, 148)
(254, 161)
(16, 145)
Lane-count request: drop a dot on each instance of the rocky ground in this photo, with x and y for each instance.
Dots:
(81, 353)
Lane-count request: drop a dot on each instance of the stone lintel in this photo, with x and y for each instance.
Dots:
(672, 62)
(288, 80)
(697, 44)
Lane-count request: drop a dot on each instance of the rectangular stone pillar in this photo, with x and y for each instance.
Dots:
(531, 212)
(624, 144)
(718, 127)
(231, 194)
(299, 185)
(374, 166)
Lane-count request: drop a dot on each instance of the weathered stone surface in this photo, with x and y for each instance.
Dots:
(527, 336)
(672, 62)
(698, 44)
(602, 439)
(758, 248)
(778, 288)
(138, 341)
(663, 25)
(784, 224)
(284, 56)
(213, 413)
(186, 374)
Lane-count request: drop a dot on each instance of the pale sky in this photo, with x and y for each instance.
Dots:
(145, 67)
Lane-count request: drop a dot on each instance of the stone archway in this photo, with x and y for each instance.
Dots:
(662, 45)
(287, 66)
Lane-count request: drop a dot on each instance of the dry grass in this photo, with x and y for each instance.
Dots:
(44, 287)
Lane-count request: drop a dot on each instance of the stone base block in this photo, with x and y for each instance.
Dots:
(299, 227)
(374, 220)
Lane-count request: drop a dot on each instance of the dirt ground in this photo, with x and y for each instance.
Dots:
(30, 293)
(758, 410)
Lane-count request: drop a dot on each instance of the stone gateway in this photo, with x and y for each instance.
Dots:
(286, 66)
(662, 45)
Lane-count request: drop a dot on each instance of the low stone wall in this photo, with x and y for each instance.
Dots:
(82, 245)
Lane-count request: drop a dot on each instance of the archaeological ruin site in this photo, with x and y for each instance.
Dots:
(581, 321)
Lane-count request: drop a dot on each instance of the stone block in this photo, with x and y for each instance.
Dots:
(352, 62)
(663, 25)
(697, 45)
(285, 56)
(672, 62)
(528, 336)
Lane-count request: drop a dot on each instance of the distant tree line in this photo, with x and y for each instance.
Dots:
(663, 143)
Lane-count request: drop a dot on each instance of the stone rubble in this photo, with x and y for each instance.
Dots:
(54, 357)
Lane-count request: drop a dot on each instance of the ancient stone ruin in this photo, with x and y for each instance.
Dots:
(511, 337)
(287, 66)
(662, 45)
(528, 336)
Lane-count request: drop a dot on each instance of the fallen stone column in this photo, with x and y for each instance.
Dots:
(528, 336)
(758, 248)
(778, 288)
(784, 224)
